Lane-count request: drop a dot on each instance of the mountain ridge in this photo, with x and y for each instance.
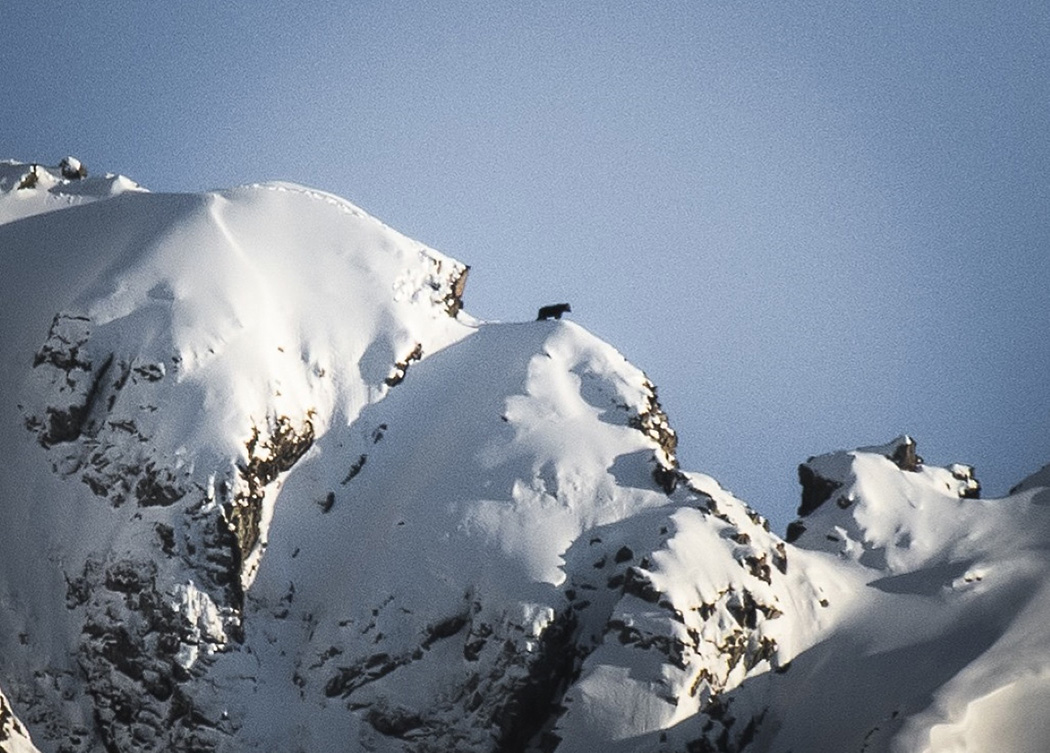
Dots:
(269, 486)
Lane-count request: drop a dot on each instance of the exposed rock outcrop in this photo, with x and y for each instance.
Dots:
(14, 738)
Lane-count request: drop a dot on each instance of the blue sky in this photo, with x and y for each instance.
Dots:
(815, 225)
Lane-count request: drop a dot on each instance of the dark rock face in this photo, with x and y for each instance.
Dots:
(905, 456)
(454, 300)
(795, 530)
(147, 636)
(653, 422)
(447, 282)
(401, 367)
(134, 653)
(76, 383)
(87, 437)
(153, 620)
(816, 490)
(504, 701)
(10, 727)
(269, 456)
(30, 179)
(970, 487)
(535, 700)
(72, 169)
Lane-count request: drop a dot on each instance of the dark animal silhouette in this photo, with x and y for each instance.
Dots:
(554, 311)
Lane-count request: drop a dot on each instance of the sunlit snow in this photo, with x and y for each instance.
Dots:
(266, 486)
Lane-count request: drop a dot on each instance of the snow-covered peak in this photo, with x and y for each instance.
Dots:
(253, 303)
(27, 189)
(881, 505)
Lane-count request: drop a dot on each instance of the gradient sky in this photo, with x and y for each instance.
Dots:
(814, 225)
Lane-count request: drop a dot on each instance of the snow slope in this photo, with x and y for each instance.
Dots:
(268, 487)
(946, 632)
(29, 189)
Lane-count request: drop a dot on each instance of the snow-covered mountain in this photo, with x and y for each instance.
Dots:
(267, 486)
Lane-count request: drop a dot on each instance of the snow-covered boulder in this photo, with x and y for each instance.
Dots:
(72, 168)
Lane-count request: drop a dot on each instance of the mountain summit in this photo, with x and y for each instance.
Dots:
(267, 486)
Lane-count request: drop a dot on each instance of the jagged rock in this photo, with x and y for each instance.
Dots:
(816, 490)
(72, 168)
(970, 487)
(401, 367)
(29, 180)
(268, 456)
(13, 735)
(904, 454)
(454, 299)
(653, 422)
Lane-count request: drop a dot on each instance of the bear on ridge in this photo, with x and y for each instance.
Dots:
(553, 311)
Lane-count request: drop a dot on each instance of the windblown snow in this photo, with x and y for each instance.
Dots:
(267, 486)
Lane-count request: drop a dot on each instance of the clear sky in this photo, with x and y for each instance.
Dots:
(814, 225)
